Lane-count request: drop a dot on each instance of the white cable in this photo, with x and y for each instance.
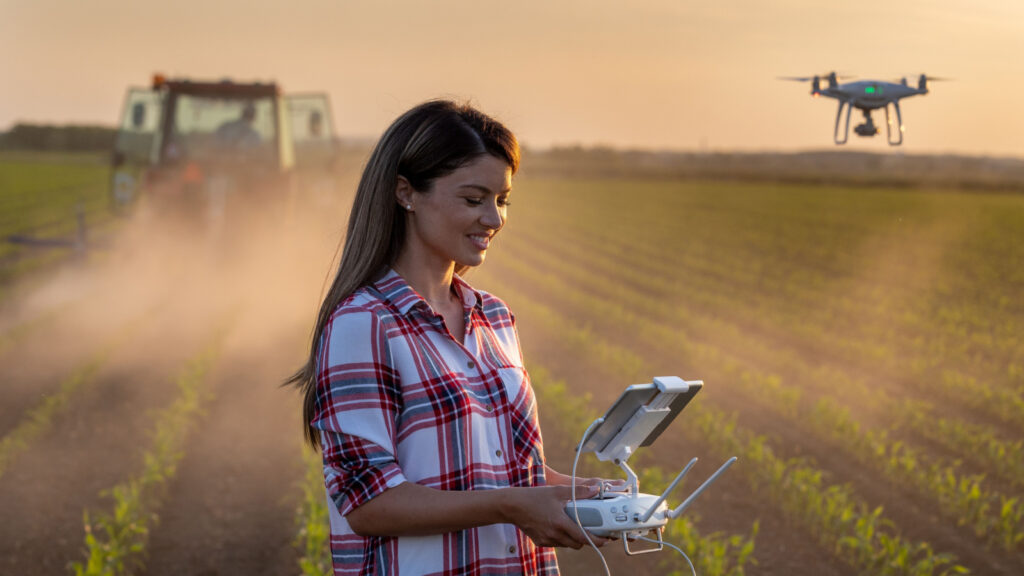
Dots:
(678, 549)
(575, 510)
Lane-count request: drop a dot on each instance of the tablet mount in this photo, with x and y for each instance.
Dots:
(635, 420)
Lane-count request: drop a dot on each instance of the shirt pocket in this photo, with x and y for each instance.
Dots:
(524, 426)
(514, 384)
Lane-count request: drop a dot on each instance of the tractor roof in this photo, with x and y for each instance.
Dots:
(224, 88)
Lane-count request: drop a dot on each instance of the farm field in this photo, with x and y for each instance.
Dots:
(862, 352)
(74, 187)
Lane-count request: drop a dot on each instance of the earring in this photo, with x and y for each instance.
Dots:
(408, 207)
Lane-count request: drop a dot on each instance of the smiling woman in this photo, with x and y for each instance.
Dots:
(415, 387)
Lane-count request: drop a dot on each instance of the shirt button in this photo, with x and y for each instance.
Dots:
(497, 453)
(490, 408)
(511, 549)
(470, 365)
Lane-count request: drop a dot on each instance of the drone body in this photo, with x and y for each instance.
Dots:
(866, 95)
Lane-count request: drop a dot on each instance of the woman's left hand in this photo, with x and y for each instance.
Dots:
(608, 485)
(555, 478)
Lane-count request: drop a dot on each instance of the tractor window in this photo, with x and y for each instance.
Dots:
(139, 121)
(207, 128)
(312, 129)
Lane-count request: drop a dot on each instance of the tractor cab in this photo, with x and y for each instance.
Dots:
(199, 141)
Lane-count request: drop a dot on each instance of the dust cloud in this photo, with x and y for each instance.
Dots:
(112, 334)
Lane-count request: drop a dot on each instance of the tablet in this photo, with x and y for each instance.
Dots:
(665, 392)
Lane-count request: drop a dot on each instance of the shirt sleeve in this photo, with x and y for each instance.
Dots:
(357, 407)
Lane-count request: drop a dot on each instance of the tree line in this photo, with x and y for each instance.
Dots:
(67, 138)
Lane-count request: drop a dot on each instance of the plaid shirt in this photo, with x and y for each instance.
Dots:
(399, 399)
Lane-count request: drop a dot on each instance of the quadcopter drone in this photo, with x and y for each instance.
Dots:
(636, 419)
(867, 95)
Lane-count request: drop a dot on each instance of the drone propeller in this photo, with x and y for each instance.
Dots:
(922, 80)
(906, 78)
(839, 77)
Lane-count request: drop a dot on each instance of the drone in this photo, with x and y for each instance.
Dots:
(867, 95)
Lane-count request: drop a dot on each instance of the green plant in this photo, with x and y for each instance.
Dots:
(115, 541)
(313, 538)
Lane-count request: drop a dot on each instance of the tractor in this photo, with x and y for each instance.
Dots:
(207, 153)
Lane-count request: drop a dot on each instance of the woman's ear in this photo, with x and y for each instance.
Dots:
(404, 194)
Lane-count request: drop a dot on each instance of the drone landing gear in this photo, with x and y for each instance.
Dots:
(899, 125)
(846, 130)
(894, 130)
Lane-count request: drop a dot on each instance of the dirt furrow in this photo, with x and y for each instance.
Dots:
(782, 547)
(231, 508)
(93, 444)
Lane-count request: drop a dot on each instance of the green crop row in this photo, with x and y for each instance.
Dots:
(755, 278)
(991, 515)
(856, 533)
(1003, 458)
(1006, 458)
(695, 305)
(656, 329)
(314, 534)
(115, 541)
(41, 196)
(713, 555)
(40, 417)
(820, 232)
(953, 500)
(886, 348)
(796, 485)
(1007, 405)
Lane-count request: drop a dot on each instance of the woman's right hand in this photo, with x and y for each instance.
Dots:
(540, 513)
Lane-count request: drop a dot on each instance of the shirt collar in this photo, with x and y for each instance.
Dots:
(404, 298)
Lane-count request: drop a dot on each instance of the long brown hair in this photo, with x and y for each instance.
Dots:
(429, 141)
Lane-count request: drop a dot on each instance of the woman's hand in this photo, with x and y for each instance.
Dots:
(597, 483)
(556, 478)
(540, 513)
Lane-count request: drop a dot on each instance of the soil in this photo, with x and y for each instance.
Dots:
(230, 507)
(787, 549)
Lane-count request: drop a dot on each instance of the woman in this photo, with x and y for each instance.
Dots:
(415, 387)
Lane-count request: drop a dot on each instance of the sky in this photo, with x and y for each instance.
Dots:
(656, 74)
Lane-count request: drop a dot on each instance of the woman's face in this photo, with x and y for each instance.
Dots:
(458, 217)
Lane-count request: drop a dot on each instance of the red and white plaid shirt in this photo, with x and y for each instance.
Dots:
(400, 400)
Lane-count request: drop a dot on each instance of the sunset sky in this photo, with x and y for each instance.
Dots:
(670, 74)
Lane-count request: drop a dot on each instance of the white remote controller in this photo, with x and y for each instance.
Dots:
(636, 419)
(613, 515)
